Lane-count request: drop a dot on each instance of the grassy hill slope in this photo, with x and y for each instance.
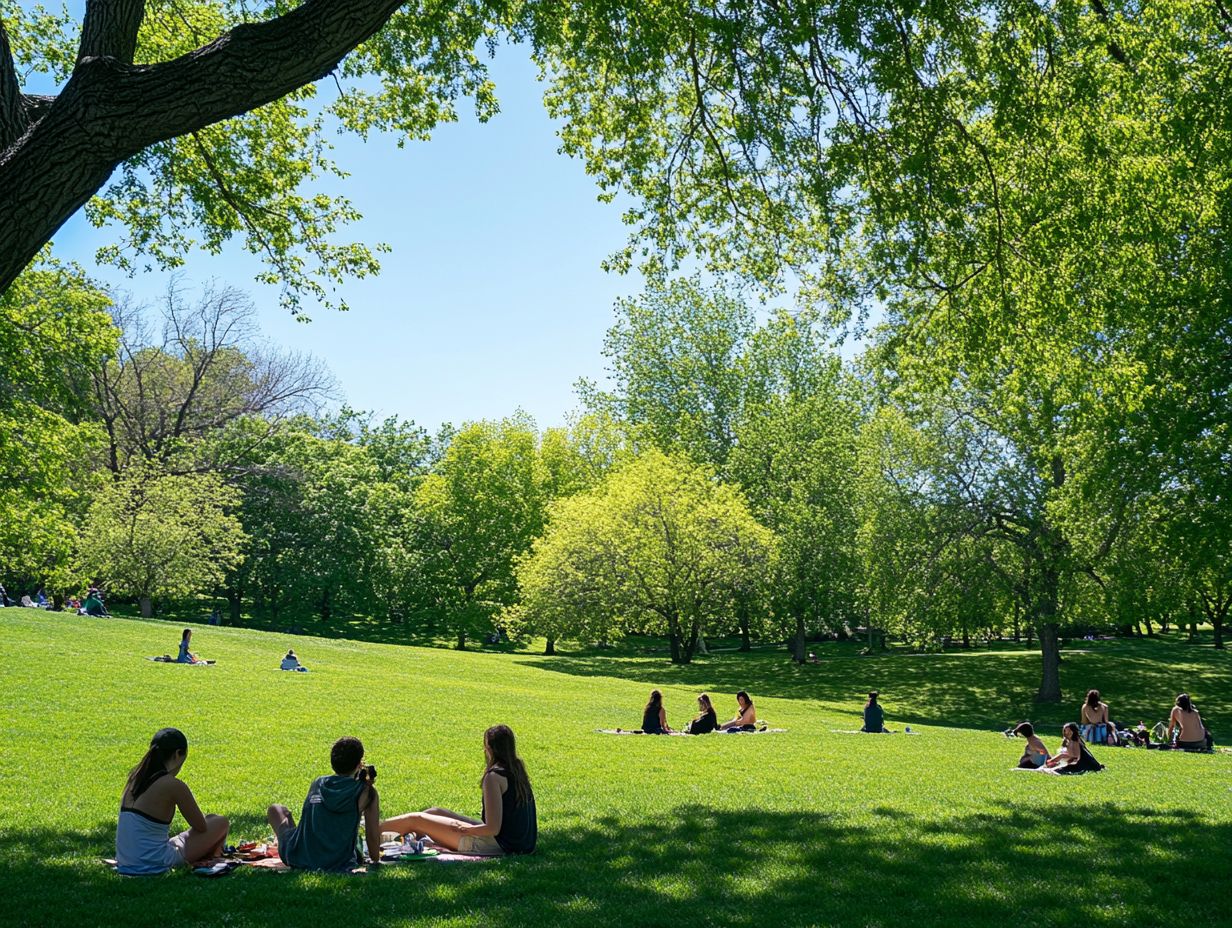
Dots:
(806, 828)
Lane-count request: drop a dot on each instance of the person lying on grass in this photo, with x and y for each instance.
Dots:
(1073, 756)
(148, 805)
(874, 716)
(707, 719)
(508, 822)
(1187, 723)
(654, 717)
(1035, 754)
(325, 836)
(746, 718)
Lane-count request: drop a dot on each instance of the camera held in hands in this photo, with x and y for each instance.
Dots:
(366, 773)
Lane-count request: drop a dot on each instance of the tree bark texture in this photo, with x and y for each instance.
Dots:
(1050, 650)
(54, 157)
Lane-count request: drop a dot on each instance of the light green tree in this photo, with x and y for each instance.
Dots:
(153, 535)
(475, 513)
(659, 546)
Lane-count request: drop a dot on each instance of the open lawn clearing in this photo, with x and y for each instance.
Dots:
(806, 828)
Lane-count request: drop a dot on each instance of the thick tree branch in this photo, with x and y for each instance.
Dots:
(13, 116)
(109, 29)
(110, 111)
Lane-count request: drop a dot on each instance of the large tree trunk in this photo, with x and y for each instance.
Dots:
(147, 607)
(57, 153)
(1050, 650)
(461, 642)
(326, 611)
(234, 602)
(798, 641)
(550, 647)
(746, 640)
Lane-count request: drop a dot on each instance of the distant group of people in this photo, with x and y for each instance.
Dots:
(1185, 731)
(325, 837)
(90, 604)
(654, 716)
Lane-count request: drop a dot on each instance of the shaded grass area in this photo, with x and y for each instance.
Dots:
(806, 828)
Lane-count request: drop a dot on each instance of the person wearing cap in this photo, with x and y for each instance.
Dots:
(874, 716)
(144, 845)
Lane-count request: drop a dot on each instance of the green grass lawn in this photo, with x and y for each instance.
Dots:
(806, 828)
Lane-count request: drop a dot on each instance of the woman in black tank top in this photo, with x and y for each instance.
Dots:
(654, 718)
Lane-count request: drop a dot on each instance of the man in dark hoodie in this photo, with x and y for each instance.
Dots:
(326, 837)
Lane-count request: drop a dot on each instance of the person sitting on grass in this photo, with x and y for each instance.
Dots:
(291, 662)
(1187, 723)
(93, 604)
(1073, 756)
(508, 822)
(874, 716)
(1035, 754)
(745, 719)
(151, 797)
(325, 838)
(707, 719)
(186, 656)
(1094, 718)
(654, 717)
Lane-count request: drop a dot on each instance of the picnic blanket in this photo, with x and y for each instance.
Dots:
(856, 731)
(167, 659)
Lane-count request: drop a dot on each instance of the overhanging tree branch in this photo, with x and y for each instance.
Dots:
(110, 110)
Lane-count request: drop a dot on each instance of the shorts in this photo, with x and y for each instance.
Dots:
(1192, 745)
(480, 846)
(283, 833)
(175, 849)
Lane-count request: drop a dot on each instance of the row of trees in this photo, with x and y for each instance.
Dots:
(1034, 198)
(734, 475)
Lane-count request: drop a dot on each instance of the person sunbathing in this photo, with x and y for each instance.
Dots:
(1035, 754)
(654, 717)
(508, 823)
(707, 719)
(745, 719)
(1187, 723)
(1094, 718)
(148, 806)
(1073, 756)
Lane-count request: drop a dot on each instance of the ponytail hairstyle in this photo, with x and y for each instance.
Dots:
(872, 698)
(1184, 703)
(503, 751)
(1093, 698)
(656, 701)
(163, 747)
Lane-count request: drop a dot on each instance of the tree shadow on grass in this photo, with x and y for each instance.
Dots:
(1098, 863)
(986, 689)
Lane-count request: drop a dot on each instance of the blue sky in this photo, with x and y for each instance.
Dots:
(492, 298)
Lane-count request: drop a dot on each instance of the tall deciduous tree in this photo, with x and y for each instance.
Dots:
(54, 328)
(153, 535)
(659, 546)
(475, 513)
